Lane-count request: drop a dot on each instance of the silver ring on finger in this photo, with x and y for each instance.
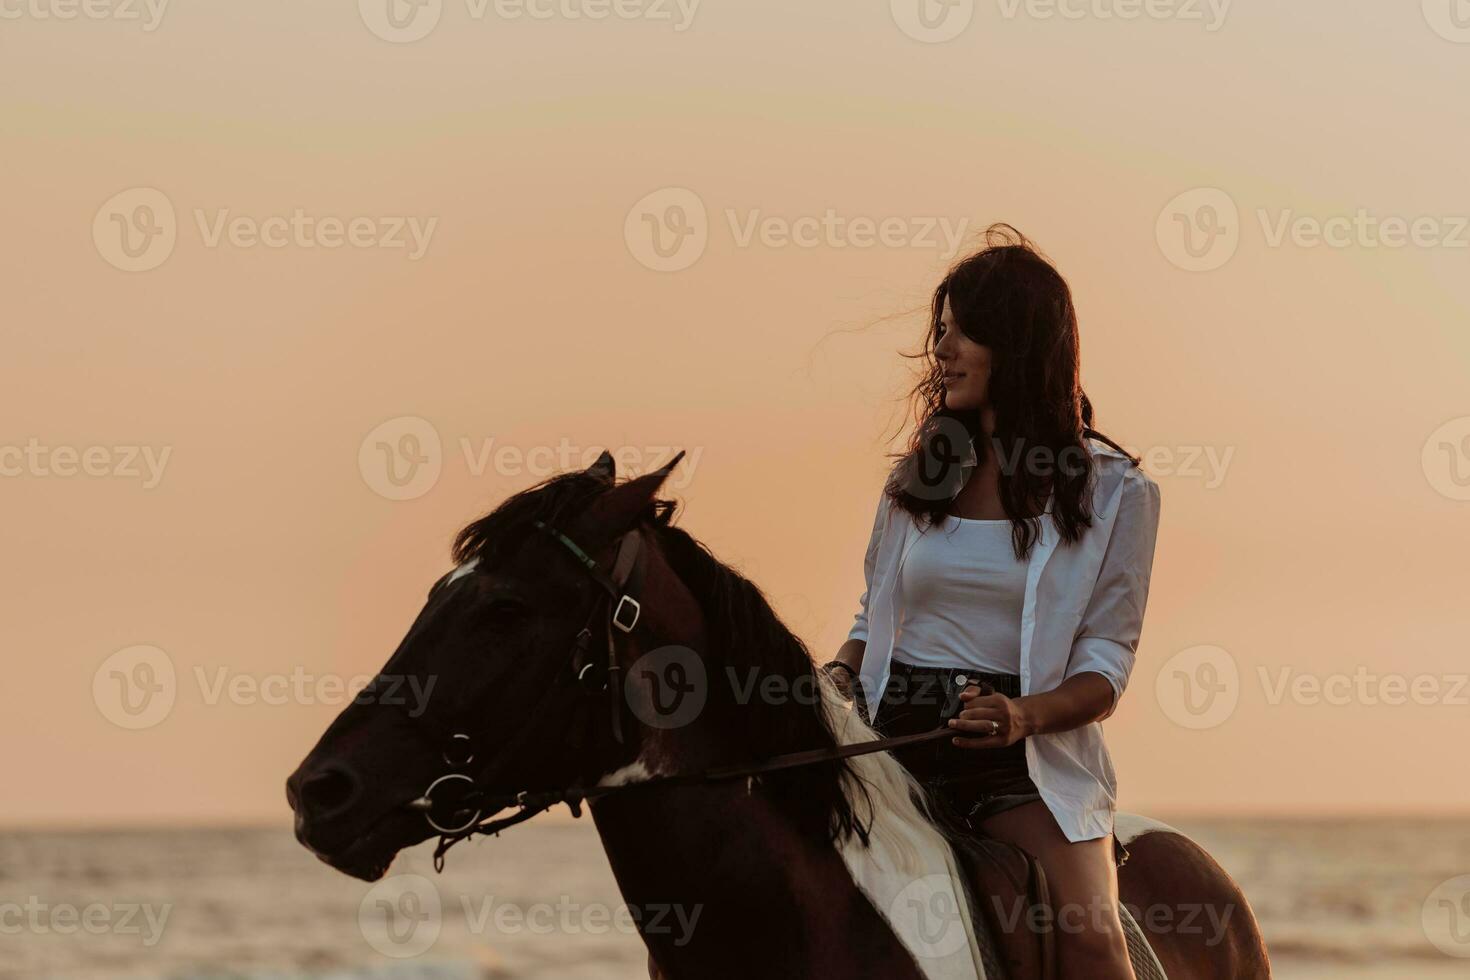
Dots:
(994, 727)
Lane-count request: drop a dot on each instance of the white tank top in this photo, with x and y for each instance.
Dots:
(961, 594)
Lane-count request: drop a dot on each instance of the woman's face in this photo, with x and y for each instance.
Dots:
(966, 365)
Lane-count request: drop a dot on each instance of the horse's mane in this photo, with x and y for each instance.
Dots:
(847, 800)
(749, 644)
(496, 536)
(853, 800)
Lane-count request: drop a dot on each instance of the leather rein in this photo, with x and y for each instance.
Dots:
(460, 816)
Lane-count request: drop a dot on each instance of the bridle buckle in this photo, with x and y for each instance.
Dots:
(626, 602)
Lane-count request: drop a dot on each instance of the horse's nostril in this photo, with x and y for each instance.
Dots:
(329, 790)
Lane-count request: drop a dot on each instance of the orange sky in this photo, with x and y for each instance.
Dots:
(803, 167)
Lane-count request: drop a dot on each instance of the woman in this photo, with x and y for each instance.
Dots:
(1007, 575)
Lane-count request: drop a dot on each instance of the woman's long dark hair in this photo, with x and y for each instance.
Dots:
(1010, 298)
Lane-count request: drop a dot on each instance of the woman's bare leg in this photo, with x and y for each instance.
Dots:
(1083, 883)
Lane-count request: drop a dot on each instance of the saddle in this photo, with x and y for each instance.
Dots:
(1010, 906)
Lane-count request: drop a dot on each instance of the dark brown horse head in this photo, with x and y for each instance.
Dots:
(483, 684)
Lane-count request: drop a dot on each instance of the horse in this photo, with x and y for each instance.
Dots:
(585, 649)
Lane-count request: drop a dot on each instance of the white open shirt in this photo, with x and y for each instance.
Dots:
(1083, 611)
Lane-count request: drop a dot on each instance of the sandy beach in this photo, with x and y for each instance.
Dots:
(1340, 899)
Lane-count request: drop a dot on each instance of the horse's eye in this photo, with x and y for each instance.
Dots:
(505, 612)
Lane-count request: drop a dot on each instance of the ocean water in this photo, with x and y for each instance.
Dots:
(1336, 898)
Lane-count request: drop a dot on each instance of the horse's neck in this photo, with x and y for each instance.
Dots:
(705, 843)
(722, 885)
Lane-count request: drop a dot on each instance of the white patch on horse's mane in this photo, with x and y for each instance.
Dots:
(900, 821)
(462, 571)
(907, 869)
(636, 771)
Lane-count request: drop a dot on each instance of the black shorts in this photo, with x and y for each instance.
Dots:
(975, 783)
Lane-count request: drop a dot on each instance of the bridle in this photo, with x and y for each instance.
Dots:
(454, 803)
(456, 817)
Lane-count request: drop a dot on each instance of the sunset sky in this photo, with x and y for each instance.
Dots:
(252, 243)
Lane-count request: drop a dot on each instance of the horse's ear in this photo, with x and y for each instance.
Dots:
(604, 469)
(616, 511)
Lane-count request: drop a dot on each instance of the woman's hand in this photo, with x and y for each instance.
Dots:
(841, 675)
(995, 720)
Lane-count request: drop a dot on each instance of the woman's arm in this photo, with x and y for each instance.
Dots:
(1111, 626)
(852, 649)
(1079, 700)
(1102, 651)
(851, 653)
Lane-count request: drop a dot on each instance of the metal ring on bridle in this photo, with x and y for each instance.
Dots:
(429, 814)
(466, 760)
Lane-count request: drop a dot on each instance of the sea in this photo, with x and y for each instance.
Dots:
(1351, 899)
